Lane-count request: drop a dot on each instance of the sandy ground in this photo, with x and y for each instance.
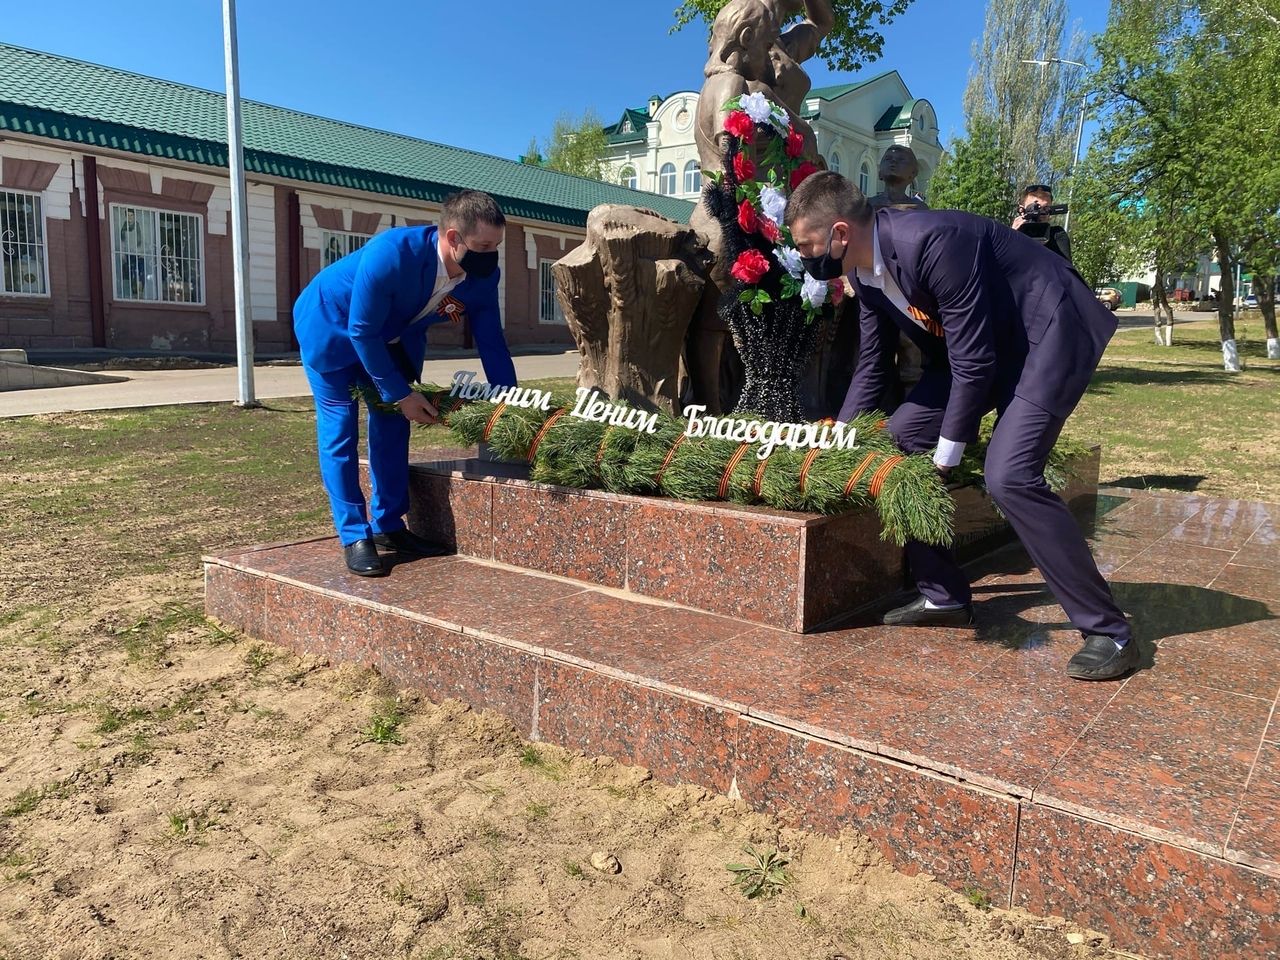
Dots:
(171, 790)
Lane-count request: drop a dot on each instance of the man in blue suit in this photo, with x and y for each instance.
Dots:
(364, 320)
(1004, 325)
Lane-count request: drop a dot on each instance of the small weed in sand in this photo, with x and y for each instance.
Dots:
(258, 657)
(190, 824)
(473, 893)
(572, 868)
(400, 893)
(977, 896)
(384, 725)
(32, 797)
(538, 811)
(147, 640)
(764, 875)
(531, 757)
(17, 863)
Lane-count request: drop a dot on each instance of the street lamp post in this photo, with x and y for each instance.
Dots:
(239, 221)
(1075, 157)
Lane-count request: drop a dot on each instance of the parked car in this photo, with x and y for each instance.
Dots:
(1110, 298)
(1251, 301)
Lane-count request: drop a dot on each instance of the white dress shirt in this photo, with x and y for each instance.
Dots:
(443, 284)
(949, 452)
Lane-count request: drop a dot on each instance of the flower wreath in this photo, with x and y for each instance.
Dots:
(762, 204)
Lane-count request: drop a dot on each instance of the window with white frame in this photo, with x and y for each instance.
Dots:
(23, 253)
(548, 303)
(336, 244)
(667, 179)
(864, 178)
(157, 255)
(693, 177)
(628, 177)
(834, 165)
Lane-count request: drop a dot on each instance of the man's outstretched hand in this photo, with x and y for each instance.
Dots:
(417, 409)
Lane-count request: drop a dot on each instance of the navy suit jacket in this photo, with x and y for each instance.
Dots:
(353, 309)
(1016, 319)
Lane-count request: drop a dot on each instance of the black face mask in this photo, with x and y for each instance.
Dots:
(824, 267)
(477, 264)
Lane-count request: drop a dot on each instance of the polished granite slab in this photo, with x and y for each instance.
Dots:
(1148, 807)
(793, 571)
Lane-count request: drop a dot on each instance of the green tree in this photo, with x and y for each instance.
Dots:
(577, 146)
(968, 175)
(1034, 108)
(854, 42)
(532, 155)
(1185, 92)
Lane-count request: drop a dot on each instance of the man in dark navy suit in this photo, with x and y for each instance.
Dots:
(1004, 325)
(364, 320)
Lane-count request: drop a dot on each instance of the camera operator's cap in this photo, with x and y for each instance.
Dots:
(1037, 188)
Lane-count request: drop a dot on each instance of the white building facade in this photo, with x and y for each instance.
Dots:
(653, 148)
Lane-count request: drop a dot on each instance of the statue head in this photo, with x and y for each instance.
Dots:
(898, 166)
(740, 39)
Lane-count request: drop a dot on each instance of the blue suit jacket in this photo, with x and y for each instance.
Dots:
(1016, 319)
(354, 308)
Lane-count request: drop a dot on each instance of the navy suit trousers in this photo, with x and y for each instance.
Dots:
(1024, 435)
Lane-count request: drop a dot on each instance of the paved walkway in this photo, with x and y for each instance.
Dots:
(156, 388)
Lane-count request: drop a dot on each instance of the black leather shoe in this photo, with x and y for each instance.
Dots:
(916, 614)
(363, 560)
(1100, 659)
(402, 541)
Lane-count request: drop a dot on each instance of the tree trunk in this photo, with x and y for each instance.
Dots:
(1163, 312)
(1265, 287)
(1226, 304)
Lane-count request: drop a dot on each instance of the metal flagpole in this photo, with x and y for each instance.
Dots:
(239, 239)
(1075, 160)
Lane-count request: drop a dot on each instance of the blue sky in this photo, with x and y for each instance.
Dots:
(482, 75)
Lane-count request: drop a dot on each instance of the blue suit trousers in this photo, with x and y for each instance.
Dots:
(338, 439)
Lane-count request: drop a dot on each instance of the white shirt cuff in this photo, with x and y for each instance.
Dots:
(949, 452)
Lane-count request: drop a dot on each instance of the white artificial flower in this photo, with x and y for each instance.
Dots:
(814, 292)
(774, 203)
(757, 107)
(789, 257)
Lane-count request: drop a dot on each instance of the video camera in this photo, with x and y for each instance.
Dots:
(1038, 212)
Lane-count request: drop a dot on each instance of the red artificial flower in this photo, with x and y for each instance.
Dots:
(795, 143)
(743, 168)
(769, 230)
(750, 266)
(740, 125)
(802, 173)
(748, 220)
(837, 290)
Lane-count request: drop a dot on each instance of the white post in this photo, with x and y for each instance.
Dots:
(1075, 162)
(239, 236)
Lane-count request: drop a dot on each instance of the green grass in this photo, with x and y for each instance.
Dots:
(1172, 418)
(32, 797)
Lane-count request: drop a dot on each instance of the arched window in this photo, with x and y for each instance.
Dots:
(667, 179)
(834, 164)
(693, 177)
(864, 178)
(628, 177)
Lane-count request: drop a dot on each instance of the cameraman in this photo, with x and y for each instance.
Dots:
(1033, 219)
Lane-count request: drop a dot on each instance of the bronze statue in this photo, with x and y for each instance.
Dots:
(749, 53)
(898, 169)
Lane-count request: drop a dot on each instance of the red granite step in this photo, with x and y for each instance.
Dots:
(1147, 808)
(794, 571)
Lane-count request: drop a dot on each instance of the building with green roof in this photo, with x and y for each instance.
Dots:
(654, 148)
(114, 209)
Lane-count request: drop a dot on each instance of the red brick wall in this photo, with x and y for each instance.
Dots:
(63, 318)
